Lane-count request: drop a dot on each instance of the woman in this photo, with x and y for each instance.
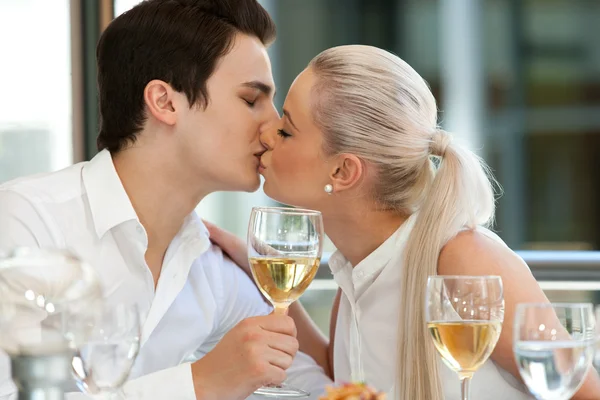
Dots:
(401, 200)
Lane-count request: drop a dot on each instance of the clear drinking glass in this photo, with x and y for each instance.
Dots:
(554, 347)
(596, 361)
(284, 249)
(464, 317)
(102, 365)
(48, 298)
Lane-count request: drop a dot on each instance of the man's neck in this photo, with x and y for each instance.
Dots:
(162, 196)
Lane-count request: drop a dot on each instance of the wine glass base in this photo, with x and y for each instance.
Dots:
(283, 391)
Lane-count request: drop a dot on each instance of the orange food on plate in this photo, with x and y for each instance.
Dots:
(352, 391)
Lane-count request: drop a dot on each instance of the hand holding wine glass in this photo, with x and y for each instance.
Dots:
(284, 249)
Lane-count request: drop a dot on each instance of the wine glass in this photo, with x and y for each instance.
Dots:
(596, 361)
(464, 317)
(554, 347)
(47, 301)
(284, 250)
(102, 365)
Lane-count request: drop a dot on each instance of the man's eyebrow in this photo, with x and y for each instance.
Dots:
(261, 86)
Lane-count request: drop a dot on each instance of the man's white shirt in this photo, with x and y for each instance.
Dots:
(200, 295)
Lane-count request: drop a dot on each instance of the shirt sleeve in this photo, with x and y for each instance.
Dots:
(8, 390)
(173, 383)
(20, 223)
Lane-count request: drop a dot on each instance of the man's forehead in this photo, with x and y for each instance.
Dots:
(247, 61)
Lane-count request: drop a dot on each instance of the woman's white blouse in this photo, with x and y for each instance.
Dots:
(365, 338)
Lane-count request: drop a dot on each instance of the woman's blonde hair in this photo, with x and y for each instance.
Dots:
(370, 103)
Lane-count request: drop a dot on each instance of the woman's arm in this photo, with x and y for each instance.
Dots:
(312, 341)
(473, 253)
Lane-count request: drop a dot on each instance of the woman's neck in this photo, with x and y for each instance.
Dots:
(358, 231)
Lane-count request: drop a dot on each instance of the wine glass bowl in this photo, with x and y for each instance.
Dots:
(103, 364)
(285, 247)
(554, 347)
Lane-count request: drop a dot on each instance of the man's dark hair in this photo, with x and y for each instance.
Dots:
(176, 41)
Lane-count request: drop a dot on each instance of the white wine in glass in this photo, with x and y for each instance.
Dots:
(284, 250)
(283, 280)
(465, 345)
(464, 317)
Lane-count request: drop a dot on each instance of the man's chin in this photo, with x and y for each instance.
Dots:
(250, 185)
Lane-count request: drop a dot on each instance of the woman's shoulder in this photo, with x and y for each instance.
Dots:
(479, 252)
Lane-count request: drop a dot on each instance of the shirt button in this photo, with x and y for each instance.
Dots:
(361, 274)
(140, 230)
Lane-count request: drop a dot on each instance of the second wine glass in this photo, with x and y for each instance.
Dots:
(464, 317)
(103, 364)
(284, 250)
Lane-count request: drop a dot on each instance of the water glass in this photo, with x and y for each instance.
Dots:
(554, 347)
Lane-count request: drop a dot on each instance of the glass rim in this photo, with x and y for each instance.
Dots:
(472, 277)
(286, 210)
(555, 305)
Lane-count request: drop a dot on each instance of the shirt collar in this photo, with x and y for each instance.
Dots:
(109, 204)
(194, 228)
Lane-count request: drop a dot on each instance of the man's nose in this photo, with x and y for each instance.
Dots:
(269, 128)
(272, 115)
(267, 136)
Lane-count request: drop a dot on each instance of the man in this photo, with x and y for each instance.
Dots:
(185, 89)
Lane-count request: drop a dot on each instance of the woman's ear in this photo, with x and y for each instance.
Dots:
(347, 172)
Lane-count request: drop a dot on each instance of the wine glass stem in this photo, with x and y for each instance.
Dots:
(280, 310)
(465, 387)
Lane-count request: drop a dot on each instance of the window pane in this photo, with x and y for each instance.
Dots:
(35, 77)
(123, 5)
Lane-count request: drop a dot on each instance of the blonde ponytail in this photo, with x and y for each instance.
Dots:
(460, 196)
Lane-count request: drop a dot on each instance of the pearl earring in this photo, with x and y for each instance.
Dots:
(328, 188)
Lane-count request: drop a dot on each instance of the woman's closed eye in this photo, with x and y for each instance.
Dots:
(283, 133)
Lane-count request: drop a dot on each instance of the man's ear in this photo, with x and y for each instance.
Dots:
(159, 99)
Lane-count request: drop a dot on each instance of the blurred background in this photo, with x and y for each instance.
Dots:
(519, 79)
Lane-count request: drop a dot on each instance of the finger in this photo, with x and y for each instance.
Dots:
(278, 359)
(278, 323)
(275, 376)
(283, 343)
(213, 230)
